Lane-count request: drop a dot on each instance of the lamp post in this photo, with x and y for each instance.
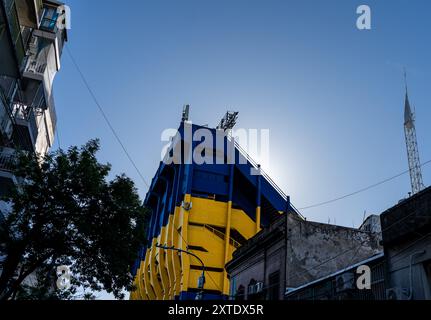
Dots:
(201, 280)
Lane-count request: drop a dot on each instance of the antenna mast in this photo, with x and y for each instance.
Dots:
(412, 145)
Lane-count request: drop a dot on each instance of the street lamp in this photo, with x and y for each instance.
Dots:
(201, 280)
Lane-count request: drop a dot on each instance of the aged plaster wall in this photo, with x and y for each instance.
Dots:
(314, 250)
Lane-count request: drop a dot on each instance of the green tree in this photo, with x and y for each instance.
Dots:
(65, 212)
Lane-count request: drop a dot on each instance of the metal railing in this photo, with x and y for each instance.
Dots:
(6, 162)
(35, 66)
(220, 234)
(264, 174)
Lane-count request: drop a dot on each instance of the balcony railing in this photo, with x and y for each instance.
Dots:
(264, 174)
(6, 162)
(221, 235)
(35, 66)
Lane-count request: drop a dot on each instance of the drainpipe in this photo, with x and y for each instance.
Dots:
(411, 272)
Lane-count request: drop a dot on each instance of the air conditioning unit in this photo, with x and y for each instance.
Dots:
(258, 287)
(345, 281)
(397, 294)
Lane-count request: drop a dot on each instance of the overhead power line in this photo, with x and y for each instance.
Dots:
(360, 190)
(105, 117)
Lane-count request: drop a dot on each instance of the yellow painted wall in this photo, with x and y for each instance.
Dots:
(165, 273)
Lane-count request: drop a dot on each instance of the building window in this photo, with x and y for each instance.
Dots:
(49, 21)
(274, 286)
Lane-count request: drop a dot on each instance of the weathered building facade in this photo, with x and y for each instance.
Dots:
(31, 44)
(406, 231)
(342, 285)
(292, 252)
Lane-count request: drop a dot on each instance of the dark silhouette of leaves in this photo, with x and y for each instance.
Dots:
(64, 211)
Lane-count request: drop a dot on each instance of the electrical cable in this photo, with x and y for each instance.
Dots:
(361, 190)
(105, 117)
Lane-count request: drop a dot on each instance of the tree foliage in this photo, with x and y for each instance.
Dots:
(64, 211)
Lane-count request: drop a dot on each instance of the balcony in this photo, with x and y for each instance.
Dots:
(35, 68)
(6, 160)
(26, 131)
(43, 62)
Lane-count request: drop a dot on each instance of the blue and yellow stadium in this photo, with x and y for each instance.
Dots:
(208, 210)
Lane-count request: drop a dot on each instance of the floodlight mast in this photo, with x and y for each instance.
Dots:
(229, 121)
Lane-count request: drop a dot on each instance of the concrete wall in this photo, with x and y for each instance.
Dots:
(316, 250)
(407, 240)
(302, 251)
(372, 224)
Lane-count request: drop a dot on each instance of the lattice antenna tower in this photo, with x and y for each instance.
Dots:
(412, 145)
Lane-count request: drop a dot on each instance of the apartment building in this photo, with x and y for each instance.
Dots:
(32, 37)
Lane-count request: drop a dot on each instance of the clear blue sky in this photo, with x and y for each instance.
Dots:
(331, 95)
